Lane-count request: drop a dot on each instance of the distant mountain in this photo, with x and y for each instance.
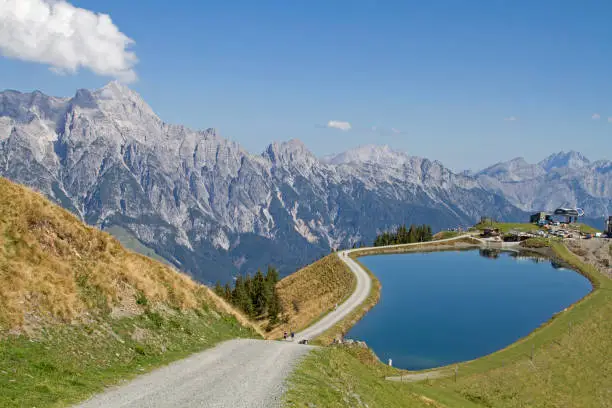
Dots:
(213, 209)
(571, 160)
(560, 180)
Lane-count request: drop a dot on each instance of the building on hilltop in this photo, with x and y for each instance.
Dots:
(540, 217)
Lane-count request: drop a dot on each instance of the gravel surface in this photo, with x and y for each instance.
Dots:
(362, 290)
(235, 374)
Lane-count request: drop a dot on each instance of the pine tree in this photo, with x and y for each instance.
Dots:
(258, 295)
(219, 289)
(227, 292)
(240, 297)
(272, 276)
(274, 308)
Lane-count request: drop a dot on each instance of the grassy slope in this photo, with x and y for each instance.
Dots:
(587, 228)
(445, 235)
(526, 227)
(129, 241)
(569, 366)
(343, 326)
(506, 227)
(312, 292)
(78, 312)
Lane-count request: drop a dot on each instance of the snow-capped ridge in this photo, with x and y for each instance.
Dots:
(371, 154)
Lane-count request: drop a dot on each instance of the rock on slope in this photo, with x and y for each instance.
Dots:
(211, 208)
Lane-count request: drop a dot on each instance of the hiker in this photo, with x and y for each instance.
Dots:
(292, 335)
(285, 335)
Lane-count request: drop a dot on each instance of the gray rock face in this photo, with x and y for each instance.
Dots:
(561, 180)
(213, 209)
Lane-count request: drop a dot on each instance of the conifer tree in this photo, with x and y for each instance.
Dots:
(219, 289)
(227, 293)
(258, 294)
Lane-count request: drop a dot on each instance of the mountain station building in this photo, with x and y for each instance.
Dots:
(540, 217)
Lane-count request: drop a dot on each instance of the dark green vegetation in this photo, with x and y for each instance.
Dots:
(65, 364)
(256, 295)
(561, 364)
(79, 312)
(403, 235)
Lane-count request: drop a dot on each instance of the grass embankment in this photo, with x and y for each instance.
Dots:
(510, 226)
(339, 376)
(78, 312)
(569, 366)
(445, 235)
(339, 329)
(310, 293)
(525, 227)
(587, 229)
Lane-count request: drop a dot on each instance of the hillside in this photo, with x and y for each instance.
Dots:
(79, 312)
(310, 293)
(560, 364)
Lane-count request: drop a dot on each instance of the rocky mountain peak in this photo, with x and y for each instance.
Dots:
(210, 208)
(290, 151)
(571, 160)
(119, 101)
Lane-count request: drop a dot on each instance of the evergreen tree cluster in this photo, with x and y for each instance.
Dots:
(255, 295)
(403, 235)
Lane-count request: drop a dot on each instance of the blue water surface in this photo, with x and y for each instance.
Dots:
(439, 308)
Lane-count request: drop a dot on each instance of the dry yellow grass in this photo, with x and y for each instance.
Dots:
(310, 293)
(55, 269)
(337, 331)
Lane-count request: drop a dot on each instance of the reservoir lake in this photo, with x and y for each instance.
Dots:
(440, 308)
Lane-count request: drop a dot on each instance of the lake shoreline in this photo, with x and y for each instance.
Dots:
(552, 253)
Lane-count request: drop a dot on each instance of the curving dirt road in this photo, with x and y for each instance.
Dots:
(235, 374)
(362, 290)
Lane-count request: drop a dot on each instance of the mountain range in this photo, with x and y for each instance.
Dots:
(209, 207)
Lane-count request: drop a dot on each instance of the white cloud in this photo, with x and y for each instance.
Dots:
(595, 116)
(65, 37)
(337, 124)
(511, 119)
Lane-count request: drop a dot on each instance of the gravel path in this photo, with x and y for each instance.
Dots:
(362, 290)
(242, 373)
(235, 374)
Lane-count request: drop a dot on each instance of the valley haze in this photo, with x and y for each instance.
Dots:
(213, 209)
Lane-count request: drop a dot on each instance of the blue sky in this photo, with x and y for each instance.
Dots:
(440, 79)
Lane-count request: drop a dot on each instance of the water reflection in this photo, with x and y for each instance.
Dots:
(495, 253)
(490, 253)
